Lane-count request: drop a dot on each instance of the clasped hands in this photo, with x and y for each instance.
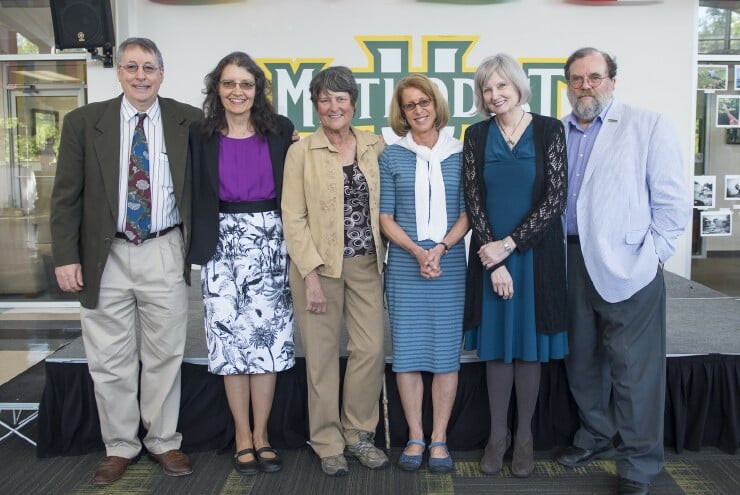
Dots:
(428, 260)
(492, 254)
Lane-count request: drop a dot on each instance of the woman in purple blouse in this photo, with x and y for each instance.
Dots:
(237, 152)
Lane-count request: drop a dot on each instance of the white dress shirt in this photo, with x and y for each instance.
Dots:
(164, 208)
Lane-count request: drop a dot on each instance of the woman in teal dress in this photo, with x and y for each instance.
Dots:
(515, 181)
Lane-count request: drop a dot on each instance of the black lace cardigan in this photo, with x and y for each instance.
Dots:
(541, 229)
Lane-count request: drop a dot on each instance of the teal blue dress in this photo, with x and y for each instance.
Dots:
(508, 328)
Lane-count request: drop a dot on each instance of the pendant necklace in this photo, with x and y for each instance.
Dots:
(509, 139)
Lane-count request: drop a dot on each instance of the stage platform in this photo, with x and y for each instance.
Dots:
(702, 396)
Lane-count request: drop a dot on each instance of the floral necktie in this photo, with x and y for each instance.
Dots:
(139, 197)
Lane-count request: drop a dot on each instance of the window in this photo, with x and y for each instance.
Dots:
(719, 27)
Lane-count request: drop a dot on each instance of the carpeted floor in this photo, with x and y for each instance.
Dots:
(709, 471)
(705, 472)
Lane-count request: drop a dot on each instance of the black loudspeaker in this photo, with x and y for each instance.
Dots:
(82, 23)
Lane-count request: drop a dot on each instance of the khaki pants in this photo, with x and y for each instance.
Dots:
(145, 284)
(357, 296)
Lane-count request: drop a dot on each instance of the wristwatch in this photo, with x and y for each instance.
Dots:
(507, 247)
(447, 248)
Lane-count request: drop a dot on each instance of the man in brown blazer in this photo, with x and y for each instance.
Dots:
(124, 280)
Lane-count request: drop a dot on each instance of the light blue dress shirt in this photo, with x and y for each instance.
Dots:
(580, 144)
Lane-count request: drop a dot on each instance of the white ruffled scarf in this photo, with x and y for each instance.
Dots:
(431, 205)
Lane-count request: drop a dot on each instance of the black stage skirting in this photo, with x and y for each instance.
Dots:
(702, 408)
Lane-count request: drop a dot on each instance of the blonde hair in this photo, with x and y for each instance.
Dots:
(506, 67)
(396, 117)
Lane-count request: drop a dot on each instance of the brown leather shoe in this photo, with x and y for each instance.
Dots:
(174, 463)
(110, 469)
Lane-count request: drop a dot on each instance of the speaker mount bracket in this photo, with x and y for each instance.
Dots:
(106, 57)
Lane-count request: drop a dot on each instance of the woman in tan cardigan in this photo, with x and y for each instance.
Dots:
(331, 196)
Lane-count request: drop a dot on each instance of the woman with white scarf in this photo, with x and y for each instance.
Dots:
(422, 213)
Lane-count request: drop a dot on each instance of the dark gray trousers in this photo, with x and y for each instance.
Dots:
(616, 370)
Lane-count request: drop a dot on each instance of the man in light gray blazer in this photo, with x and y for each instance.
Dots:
(628, 201)
(120, 281)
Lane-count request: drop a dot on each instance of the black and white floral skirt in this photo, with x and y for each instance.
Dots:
(246, 297)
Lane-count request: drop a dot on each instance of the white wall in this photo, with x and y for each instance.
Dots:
(654, 42)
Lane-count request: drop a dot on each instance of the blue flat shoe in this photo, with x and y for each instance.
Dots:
(439, 465)
(411, 462)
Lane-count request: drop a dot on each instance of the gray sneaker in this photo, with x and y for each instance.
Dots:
(366, 452)
(335, 465)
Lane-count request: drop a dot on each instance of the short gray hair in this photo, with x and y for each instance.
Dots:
(145, 44)
(509, 69)
(338, 79)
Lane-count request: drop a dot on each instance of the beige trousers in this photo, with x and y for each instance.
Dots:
(140, 284)
(357, 298)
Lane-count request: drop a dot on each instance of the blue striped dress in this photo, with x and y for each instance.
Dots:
(426, 315)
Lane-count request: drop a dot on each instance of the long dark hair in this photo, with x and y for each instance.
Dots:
(262, 115)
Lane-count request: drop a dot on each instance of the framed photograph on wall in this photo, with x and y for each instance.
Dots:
(704, 187)
(732, 187)
(737, 77)
(716, 223)
(712, 77)
(728, 111)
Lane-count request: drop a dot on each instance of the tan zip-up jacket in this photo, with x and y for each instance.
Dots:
(313, 201)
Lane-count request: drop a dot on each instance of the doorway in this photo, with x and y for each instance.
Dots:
(37, 98)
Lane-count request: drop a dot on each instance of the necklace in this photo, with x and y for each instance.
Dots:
(509, 139)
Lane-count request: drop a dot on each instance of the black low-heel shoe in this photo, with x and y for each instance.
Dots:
(269, 464)
(249, 468)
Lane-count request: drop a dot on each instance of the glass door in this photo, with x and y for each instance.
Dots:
(33, 126)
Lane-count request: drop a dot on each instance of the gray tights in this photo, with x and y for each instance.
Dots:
(501, 377)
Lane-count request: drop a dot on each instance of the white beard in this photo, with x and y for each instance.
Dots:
(588, 109)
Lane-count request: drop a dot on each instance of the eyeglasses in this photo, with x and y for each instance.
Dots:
(423, 103)
(594, 80)
(245, 85)
(133, 68)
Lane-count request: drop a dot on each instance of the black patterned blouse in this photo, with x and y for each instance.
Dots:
(358, 237)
